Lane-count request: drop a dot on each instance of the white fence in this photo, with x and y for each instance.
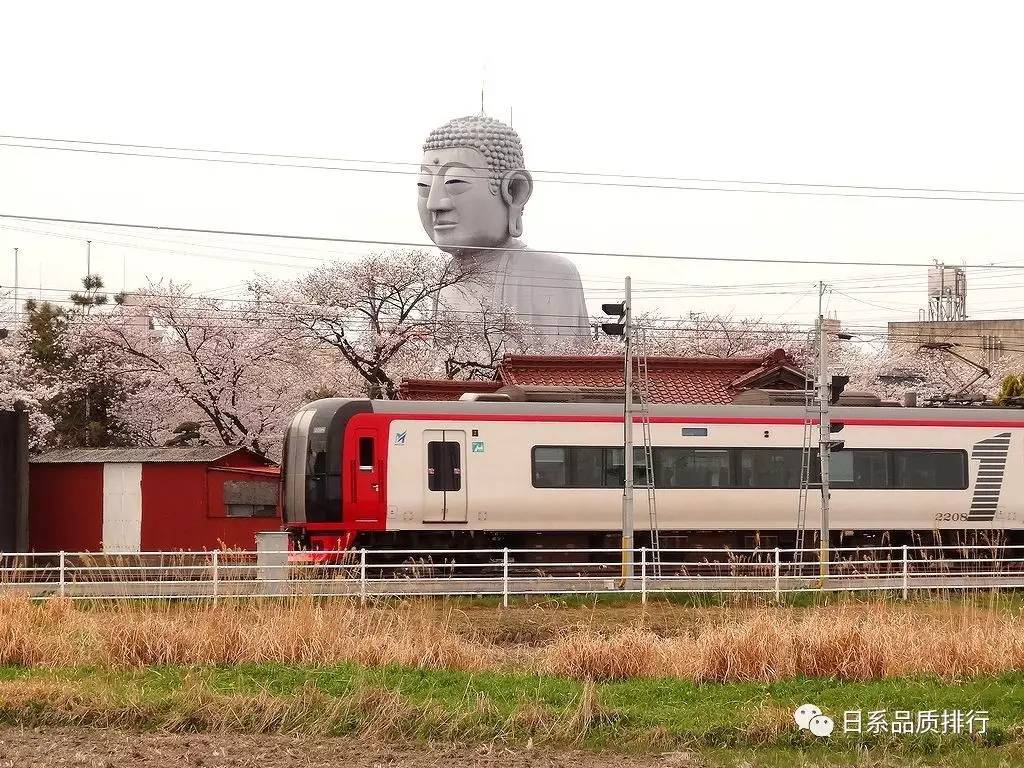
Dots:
(504, 573)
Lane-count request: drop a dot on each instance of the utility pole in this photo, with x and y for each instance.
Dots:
(88, 274)
(624, 328)
(824, 429)
(627, 445)
(16, 318)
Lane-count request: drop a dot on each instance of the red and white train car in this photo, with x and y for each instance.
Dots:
(454, 474)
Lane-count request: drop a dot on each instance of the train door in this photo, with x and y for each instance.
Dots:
(445, 486)
(366, 468)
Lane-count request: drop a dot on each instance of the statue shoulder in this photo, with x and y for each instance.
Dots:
(556, 263)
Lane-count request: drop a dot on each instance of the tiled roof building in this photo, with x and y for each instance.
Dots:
(683, 380)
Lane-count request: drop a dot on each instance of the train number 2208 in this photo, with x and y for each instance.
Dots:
(950, 517)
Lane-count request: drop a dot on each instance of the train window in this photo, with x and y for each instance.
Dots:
(549, 467)
(586, 467)
(931, 470)
(769, 467)
(615, 468)
(366, 453)
(444, 471)
(316, 463)
(870, 469)
(854, 468)
(859, 468)
(841, 467)
(691, 468)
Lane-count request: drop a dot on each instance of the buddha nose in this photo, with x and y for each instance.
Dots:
(438, 199)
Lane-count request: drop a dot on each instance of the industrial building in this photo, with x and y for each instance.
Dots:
(945, 323)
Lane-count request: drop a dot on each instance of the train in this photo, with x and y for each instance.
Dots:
(471, 474)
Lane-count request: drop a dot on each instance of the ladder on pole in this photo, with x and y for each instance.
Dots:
(806, 457)
(649, 481)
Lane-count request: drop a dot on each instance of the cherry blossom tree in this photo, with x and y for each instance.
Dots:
(383, 314)
(714, 335)
(21, 388)
(71, 390)
(893, 371)
(703, 335)
(236, 370)
(471, 345)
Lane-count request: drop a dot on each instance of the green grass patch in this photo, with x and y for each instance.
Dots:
(720, 722)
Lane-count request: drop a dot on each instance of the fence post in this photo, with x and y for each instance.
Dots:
(272, 563)
(643, 575)
(362, 576)
(216, 575)
(904, 571)
(778, 576)
(63, 580)
(504, 578)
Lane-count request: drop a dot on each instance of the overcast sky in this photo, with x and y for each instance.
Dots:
(883, 94)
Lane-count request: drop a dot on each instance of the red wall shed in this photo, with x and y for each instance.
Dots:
(149, 499)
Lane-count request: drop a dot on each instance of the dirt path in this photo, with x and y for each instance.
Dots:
(93, 748)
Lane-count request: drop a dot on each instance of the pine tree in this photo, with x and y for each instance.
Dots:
(83, 375)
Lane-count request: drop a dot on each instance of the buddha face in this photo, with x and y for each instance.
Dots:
(458, 209)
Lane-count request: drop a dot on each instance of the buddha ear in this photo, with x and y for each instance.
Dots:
(516, 188)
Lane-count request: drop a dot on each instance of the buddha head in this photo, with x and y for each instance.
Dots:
(472, 185)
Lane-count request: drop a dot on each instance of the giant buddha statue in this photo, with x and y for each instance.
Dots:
(473, 187)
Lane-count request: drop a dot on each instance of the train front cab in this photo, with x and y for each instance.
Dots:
(334, 474)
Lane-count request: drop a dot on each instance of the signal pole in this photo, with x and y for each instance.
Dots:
(627, 446)
(624, 328)
(824, 430)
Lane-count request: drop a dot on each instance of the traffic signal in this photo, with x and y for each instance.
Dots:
(838, 385)
(618, 310)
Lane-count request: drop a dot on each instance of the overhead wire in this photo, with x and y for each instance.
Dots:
(892, 282)
(267, 302)
(561, 252)
(807, 188)
(208, 318)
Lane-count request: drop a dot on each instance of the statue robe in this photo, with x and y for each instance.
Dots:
(544, 289)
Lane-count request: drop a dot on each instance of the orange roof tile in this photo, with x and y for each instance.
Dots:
(695, 380)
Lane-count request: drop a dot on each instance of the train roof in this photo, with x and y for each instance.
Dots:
(691, 412)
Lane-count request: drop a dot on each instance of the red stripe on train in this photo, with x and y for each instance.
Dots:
(690, 420)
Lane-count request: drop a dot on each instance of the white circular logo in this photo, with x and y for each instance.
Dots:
(821, 725)
(804, 714)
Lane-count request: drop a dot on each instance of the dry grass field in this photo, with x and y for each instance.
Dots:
(848, 640)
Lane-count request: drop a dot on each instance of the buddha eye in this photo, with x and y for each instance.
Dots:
(424, 189)
(456, 186)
